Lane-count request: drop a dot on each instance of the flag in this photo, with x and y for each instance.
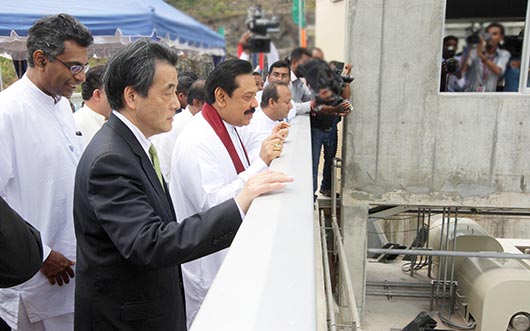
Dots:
(298, 12)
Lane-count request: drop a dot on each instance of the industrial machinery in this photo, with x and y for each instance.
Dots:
(492, 292)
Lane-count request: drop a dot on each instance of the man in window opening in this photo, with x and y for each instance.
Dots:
(483, 62)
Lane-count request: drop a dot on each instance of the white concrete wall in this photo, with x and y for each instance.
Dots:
(330, 28)
(408, 144)
(267, 281)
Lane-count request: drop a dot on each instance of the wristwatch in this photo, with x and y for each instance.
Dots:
(318, 108)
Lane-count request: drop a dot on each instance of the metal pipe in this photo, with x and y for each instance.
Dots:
(399, 284)
(350, 295)
(453, 261)
(424, 252)
(413, 258)
(335, 164)
(399, 294)
(442, 229)
(446, 247)
(429, 269)
(327, 277)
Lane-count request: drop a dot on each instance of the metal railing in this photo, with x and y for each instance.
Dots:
(352, 321)
(267, 281)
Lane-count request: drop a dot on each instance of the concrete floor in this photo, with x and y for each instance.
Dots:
(389, 314)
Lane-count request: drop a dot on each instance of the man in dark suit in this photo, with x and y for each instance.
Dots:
(20, 248)
(129, 245)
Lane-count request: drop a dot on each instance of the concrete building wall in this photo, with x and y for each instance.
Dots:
(408, 144)
(330, 28)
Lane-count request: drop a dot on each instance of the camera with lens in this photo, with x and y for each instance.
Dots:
(319, 75)
(451, 65)
(345, 78)
(260, 27)
(338, 67)
(474, 37)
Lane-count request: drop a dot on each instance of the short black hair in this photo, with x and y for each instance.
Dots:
(94, 81)
(496, 25)
(450, 37)
(134, 66)
(280, 64)
(224, 76)
(298, 52)
(49, 34)
(197, 91)
(184, 84)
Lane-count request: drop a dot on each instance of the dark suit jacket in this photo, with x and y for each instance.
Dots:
(20, 248)
(129, 245)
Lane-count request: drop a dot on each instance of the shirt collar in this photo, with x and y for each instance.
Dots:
(97, 116)
(37, 93)
(293, 76)
(146, 143)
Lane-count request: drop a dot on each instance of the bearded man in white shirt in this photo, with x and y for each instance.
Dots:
(210, 164)
(39, 152)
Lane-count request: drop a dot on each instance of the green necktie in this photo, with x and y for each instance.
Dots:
(156, 164)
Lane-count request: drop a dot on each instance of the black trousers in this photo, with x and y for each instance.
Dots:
(4, 326)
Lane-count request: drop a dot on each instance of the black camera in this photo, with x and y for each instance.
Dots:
(260, 26)
(319, 75)
(474, 37)
(338, 67)
(451, 65)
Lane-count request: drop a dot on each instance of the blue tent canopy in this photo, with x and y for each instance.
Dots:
(113, 24)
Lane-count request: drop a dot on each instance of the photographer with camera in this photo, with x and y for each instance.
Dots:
(255, 44)
(324, 130)
(329, 88)
(483, 62)
(450, 77)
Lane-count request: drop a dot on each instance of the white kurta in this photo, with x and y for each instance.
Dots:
(258, 130)
(39, 152)
(165, 142)
(88, 122)
(202, 176)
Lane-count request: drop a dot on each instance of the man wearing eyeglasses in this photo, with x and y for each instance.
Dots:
(279, 72)
(39, 152)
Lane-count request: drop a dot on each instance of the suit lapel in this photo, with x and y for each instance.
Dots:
(122, 130)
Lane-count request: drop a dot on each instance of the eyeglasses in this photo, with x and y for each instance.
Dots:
(276, 74)
(75, 68)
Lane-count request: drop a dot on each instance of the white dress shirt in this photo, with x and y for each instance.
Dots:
(202, 176)
(88, 122)
(39, 152)
(165, 142)
(259, 129)
(292, 113)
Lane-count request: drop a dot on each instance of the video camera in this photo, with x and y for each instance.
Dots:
(474, 37)
(260, 26)
(319, 75)
(338, 67)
